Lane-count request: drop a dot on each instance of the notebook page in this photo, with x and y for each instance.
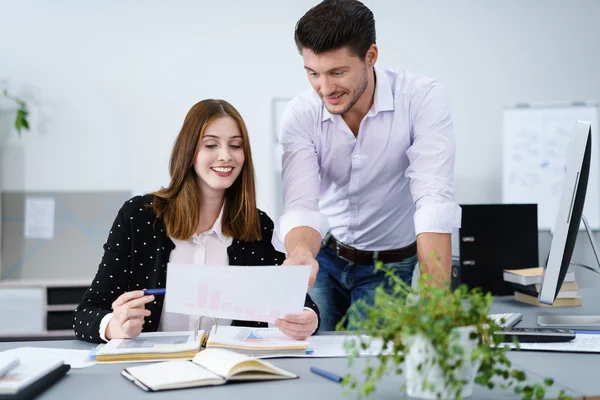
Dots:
(222, 362)
(177, 373)
(219, 361)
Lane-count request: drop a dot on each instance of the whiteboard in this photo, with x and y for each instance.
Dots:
(536, 140)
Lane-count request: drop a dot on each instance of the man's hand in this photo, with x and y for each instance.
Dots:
(128, 315)
(298, 327)
(303, 244)
(305, 258)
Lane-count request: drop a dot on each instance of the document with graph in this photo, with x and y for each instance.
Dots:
(257, 342)
(261, 293)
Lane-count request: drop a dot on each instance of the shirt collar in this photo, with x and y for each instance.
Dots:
(382, 101)
(217, 227)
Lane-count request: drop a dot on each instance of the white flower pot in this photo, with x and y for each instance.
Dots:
(421, 352)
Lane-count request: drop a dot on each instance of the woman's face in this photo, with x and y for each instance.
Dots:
(220, 158)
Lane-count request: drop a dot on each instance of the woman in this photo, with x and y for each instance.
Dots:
(207, 215)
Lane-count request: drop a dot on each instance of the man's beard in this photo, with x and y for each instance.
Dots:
(354, 96)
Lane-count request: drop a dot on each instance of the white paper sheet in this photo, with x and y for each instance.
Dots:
(32, 355)
(39, 217)
(331, 346)
(261, 293)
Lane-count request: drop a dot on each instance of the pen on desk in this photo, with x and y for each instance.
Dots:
(328, 375)
(155, 291)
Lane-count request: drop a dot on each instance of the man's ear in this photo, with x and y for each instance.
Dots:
(371, 56)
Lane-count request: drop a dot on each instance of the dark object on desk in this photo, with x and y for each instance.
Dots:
(537, 335)
(39, 385)
(495, 237)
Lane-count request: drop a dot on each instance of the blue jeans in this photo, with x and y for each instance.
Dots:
(340, 283)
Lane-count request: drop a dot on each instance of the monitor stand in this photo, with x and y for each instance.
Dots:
(584, 322)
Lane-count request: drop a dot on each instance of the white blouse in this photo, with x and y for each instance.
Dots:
(208, 248)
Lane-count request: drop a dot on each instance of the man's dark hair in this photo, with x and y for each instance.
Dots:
(333, 24)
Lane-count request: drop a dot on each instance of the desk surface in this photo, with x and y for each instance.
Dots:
(576, 373)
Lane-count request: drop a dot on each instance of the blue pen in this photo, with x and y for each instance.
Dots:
(155, 291)
(328, 375)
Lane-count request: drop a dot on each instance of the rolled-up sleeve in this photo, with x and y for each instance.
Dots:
(300, 175)
(431, 161)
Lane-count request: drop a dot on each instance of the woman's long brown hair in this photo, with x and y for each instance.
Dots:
(180, 203)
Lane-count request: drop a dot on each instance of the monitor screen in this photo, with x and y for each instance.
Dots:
(569, 213)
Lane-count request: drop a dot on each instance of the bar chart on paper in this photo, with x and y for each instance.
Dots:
(210, 298)
(244, 293)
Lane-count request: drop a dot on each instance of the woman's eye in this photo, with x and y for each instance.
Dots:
(211, 146)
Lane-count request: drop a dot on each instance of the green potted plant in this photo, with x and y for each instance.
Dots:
(21, 121)
(442, 340)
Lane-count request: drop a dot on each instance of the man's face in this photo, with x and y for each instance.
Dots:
(338, 76)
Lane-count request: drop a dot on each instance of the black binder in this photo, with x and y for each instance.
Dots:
(495, 237)
(37, 387)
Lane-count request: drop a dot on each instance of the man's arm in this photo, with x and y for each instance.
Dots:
(435, 256)
(431, 172)
(301, 226)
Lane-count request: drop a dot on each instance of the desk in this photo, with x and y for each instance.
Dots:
(577, 373)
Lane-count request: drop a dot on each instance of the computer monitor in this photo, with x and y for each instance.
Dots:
(569, 216)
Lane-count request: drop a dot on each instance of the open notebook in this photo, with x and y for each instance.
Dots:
(209, 367)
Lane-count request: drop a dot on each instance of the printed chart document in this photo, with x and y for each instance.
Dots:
(209, 367)
(252, 293)
(255, 341)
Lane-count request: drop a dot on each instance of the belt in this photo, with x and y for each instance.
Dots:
(356, 256)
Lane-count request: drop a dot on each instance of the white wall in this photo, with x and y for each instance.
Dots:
(112, 80)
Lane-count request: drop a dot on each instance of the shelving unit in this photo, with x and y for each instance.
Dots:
(38, 310)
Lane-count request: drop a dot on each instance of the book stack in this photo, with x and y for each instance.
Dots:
(527, 282)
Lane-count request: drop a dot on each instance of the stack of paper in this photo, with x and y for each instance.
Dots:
(255, 341)
(151, 346)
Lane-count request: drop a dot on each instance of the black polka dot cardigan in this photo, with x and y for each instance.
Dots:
(135, 257)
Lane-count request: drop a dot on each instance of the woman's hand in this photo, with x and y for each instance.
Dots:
(298, 327)
(128, 315)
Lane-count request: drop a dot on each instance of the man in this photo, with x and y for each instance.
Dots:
(368, 165)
